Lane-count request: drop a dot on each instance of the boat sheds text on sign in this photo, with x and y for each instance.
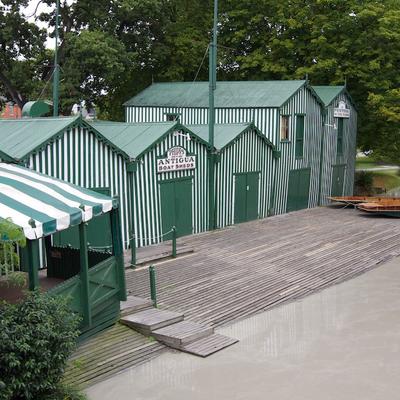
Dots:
(176, 160)
(342, 111)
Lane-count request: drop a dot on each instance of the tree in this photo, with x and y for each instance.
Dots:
(21, 47)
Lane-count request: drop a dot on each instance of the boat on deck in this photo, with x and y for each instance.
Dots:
(353, 200)
(389, 209)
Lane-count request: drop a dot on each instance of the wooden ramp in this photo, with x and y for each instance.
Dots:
(169, 328)
(108, 353)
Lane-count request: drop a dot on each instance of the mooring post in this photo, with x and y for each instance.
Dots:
(173, 242)
(153, 290)
(132, 245)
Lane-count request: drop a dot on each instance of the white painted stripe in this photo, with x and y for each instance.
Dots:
(107, 204)
(62, 218)
(22, 220)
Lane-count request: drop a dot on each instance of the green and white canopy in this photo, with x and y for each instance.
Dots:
(42, 205)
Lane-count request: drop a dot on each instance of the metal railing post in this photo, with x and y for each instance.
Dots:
(132, 245)
(153, 290)
(173, 242)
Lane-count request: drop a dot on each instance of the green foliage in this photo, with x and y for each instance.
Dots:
(363, 183)
(111, 51)
(10, 236)
(36, 338)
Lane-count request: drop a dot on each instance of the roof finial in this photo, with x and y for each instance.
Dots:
(307, 77)
(345, 82)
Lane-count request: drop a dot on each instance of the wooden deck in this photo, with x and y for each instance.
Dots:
(239, 271)
(242, 270)
(108, 353)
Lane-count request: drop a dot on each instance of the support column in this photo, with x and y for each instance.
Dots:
(84, 275)
(33, 270)
(118, 251)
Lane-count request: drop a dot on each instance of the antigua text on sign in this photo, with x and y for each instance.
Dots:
(176, 160)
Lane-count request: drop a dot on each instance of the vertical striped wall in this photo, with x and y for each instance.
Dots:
(248, 153)
(266, 119)
(330, 157)
(146, 200)
(82, 158)
(303, 102)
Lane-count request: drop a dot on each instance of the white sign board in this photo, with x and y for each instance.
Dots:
(176, 160)
(342, 111)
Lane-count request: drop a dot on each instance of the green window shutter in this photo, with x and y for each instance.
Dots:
(299, 136)
(339, 147)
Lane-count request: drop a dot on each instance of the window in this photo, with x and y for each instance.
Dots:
(339, 147)
(299, 136)
(172, 116)
(284, 127)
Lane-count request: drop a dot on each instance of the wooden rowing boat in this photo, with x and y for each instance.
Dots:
(386, 208)
(353, 200)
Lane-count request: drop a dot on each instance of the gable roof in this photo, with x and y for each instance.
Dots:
(42, 205)
(134, 139)
(18, 137)
(224, 134)
(328, 93)
(21, 137)
(242, 94)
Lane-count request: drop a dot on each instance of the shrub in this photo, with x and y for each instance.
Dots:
(36, 338)
(363, 183)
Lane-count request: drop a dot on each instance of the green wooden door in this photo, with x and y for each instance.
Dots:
(98, 231)
(252, 196)
(337, 180)
(298, 189)
(240, 198)
(176, 206)
(246, 197)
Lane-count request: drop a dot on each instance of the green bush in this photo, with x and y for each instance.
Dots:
(363, 183)
(36, 338)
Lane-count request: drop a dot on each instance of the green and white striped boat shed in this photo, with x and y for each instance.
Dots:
(289, 113)
(168, 175)
(68, 148)
(339, 142)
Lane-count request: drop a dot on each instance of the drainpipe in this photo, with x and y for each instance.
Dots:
(321, 156)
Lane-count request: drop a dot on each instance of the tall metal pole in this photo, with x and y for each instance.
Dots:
(56, 73)
(211, 117)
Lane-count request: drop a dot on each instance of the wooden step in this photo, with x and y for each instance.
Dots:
(134, 304)
(182, 333)
(150, 320)
(209, 345)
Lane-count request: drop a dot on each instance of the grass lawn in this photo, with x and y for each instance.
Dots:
(365, 163)
(386, 179)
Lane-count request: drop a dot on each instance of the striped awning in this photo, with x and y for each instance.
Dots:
(42, 205)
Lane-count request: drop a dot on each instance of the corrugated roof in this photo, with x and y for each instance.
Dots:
(133, 139)
(328, 93)
(136, 139)
(228, 94)
(18, 137)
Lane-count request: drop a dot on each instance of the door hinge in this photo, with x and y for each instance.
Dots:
(248, 188)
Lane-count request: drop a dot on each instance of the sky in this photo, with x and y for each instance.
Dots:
(29, 11)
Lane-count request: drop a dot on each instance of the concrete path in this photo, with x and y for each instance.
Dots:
(342, 344)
